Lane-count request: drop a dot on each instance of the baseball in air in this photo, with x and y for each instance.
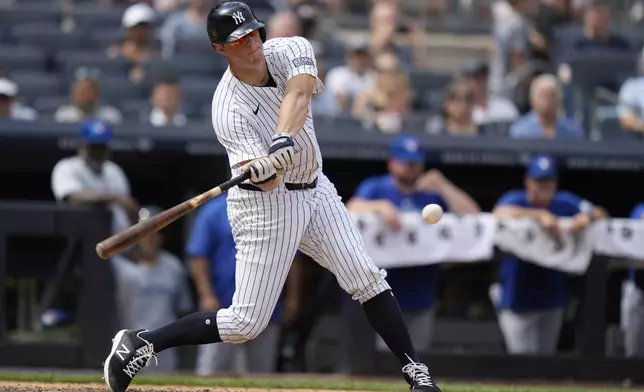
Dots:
(432, 213)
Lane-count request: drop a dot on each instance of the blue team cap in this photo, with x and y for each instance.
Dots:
(407, 149)
(96, 132)
(543, 167)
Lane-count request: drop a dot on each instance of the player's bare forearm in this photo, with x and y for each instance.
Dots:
(459, 201)
(200, 272)
(295, 107)
(510, 212)
(363, 206)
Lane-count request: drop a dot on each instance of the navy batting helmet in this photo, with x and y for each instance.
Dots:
(231, 20)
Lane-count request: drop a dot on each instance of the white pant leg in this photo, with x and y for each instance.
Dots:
(632, 319)
(519, 331)
(548, 330)
(267, 228)
(261, 352)
(216, 358)
(333, 240)
(421, 328)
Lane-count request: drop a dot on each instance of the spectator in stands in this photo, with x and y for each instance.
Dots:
(487, 108)
(166, 104)
(545, 120)
(212, 253)
(550, 15)
(595, 38)
(91, 178)
(9, 107)
(183, 25)
(324, 103)
(457, 113)
(630, 107)
(384, 24)
(346, 82)
(531, 298)
(388, 100)
(511, 34)
(151, 288)
(86, 102)
(632, 317)
(138, 46)
(406, 188)
(283, 24)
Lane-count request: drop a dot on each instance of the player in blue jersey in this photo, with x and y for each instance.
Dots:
(407, 187)
(532, 297)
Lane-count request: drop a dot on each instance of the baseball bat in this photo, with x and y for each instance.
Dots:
(130, 236)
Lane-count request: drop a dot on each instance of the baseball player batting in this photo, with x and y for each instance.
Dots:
(261, 113)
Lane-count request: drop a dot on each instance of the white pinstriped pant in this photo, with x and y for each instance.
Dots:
(268, 228)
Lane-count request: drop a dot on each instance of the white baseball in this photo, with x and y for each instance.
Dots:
(432, 213)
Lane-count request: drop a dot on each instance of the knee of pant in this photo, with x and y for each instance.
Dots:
(245, 328)
(370, 286)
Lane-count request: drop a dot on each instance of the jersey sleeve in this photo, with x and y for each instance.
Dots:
(577, 203)
(298, 58)
(638, 212)
(64, 180)
(367, 190)
(241, 141)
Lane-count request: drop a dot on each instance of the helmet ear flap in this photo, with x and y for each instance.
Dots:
(262, 33)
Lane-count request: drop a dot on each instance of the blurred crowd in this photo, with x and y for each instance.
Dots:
(539, 80)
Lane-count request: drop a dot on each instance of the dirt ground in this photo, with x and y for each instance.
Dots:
(44, 387)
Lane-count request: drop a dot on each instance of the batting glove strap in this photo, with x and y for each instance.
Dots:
(281, 150)
(262, 171)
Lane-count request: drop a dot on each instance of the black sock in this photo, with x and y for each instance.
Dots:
(386, 318)
(194, 329)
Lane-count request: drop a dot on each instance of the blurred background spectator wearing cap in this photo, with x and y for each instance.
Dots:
(138, 45)
(151, 288)
(531, 298)
(347, 81)
(91, 178)
(184, 25)
(86, 100)
(212, 253)
(407, 188)
(546, 120)
(486, 107)
(9, 106)
(456, 117)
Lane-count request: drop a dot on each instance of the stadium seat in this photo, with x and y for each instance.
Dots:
(427, 85)
(133, 109)
(115, 90)
(97, 17)
(415, 123)
(24, 14)
(194, 47)
(104, 37)
(33, 85)
(198, 91)
(611, 129)
(46, 35)
(206, 66)
(48, 105)
(69, 60)
(24, 58)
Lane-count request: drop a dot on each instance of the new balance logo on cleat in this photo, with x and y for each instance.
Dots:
(130, 354)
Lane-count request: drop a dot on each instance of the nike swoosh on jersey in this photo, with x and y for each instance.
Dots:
(256, 110)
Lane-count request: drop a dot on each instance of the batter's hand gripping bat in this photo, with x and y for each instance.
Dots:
(130, 236)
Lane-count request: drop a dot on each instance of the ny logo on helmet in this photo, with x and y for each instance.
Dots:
(238, 17)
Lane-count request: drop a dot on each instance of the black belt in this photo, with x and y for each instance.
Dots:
(289, 185)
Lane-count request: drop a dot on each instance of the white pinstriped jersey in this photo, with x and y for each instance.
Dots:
(244, 117)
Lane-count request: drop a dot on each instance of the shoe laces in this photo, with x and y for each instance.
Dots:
(419, 374)
(142, 358)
